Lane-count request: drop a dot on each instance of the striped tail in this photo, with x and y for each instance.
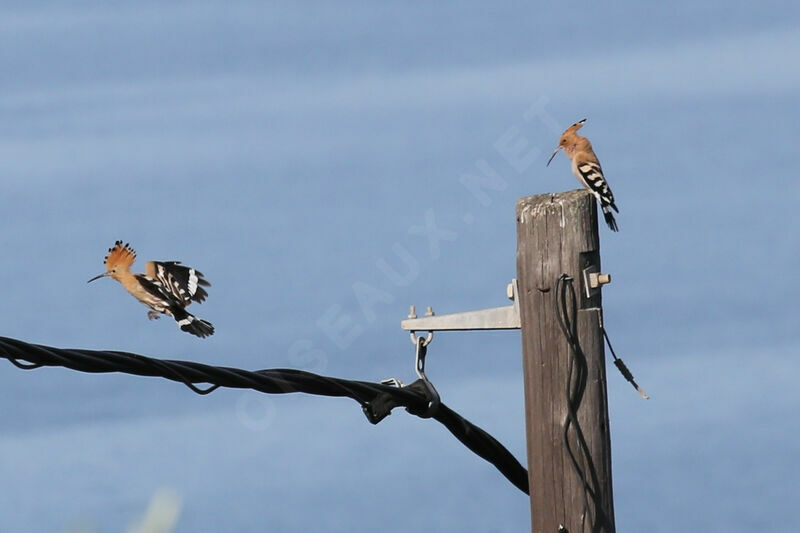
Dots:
(612, 223)
(191, 324)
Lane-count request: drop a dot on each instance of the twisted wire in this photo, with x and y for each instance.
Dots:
(377, 400)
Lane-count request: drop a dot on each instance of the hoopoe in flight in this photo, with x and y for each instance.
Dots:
(166, 287)
(587, 169)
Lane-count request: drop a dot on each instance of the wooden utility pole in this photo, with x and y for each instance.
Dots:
(557, 234)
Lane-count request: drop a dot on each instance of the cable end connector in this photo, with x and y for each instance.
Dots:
(629, 377)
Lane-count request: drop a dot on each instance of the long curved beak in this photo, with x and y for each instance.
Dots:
(552, 156)
(98, 277)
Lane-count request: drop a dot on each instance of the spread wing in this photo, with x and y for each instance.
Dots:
(155, 295)
(185, 284)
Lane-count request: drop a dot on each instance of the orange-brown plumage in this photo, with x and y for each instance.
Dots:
(119, 259)
(165, 287)
(587, 169)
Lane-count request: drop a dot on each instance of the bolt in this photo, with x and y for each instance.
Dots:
(595, 279)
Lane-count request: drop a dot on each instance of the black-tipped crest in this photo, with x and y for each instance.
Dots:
(568, 133)
(119, 255)
(572, 129)
(119, 258)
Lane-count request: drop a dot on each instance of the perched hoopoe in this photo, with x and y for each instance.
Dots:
(587, 169)
(166, 287)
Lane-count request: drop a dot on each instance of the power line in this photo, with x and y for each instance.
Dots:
(377, 400)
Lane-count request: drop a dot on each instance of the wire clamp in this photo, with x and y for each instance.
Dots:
(382, 406)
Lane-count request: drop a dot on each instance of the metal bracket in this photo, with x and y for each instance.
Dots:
(506, 317)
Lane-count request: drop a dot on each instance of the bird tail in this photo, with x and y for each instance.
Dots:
(191, 324)
(612, 223)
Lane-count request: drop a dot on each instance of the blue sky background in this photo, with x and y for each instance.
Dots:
(289, 150)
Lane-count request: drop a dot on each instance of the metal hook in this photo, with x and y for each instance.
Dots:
(419, 366)
(413, 314)
(427, 340)
(419, 358)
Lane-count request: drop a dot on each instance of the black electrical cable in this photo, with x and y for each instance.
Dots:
(377, 400)
(566, 311)
(622, 367)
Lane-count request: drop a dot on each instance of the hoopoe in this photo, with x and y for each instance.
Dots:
(587, 169)
(166, 287)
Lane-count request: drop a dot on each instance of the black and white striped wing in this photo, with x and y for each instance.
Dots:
(155, 295)
(185, 283)
(592, 177)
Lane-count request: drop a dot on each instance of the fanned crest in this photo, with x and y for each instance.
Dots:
(119, 255)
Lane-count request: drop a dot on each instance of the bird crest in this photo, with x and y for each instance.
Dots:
(575, 127)
(569, 132)
(120, 256)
